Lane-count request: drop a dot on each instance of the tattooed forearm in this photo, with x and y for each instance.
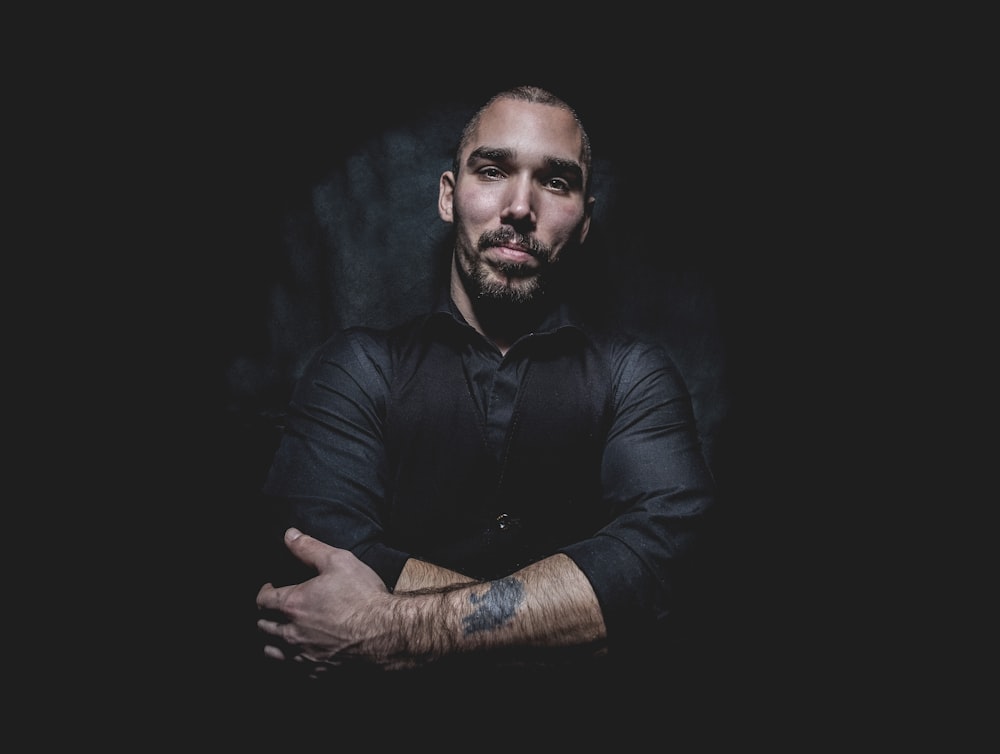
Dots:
(494, 608)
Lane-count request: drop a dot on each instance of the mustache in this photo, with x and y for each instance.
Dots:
(504, 236)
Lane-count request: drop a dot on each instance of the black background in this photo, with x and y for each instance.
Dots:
(768, 157)
(746, 177)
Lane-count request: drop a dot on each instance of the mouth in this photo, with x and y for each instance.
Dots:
(513, 254)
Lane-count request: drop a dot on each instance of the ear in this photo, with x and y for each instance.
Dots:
(588, 213)
(446, 196)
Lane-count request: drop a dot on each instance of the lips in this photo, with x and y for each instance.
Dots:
(510, 251)
(512, 255)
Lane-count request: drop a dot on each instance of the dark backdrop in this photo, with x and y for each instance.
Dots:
(788, 197)
(724, 222)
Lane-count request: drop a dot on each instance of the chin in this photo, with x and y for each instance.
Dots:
(518, 291)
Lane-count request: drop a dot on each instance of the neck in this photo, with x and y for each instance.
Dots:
(500, 322)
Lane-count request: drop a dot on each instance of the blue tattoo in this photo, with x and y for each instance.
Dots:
(496, 607)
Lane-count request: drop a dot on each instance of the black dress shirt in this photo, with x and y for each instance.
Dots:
(638, 486)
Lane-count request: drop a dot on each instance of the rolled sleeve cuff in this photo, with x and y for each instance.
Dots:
(632, 599)
(385, 561)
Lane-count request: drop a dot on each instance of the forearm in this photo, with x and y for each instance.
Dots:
(545, 609)
(419, 575)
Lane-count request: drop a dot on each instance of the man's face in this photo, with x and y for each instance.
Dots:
(518, 201)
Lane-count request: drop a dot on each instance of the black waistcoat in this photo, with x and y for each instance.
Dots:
(452, 499)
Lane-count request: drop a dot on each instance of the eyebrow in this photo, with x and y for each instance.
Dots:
(503, 154)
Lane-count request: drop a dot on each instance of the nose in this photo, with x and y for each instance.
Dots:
(519, 207)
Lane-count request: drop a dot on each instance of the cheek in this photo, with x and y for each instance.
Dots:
(476, 207)
(564, 224)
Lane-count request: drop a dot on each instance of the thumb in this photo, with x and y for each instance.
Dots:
(307, 549)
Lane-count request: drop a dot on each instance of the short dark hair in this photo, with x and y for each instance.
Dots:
(534, 94)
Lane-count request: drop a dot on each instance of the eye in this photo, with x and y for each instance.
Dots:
(491, 172)
(558, 184)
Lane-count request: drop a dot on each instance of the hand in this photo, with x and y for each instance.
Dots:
(325, 620)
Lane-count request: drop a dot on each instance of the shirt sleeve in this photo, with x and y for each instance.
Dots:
(656, 480)
(328, 472)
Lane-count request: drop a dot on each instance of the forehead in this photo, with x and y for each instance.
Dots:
(529, 129)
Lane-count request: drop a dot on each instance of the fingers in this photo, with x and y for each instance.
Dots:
(272, 627)
(273, 652)
(267, 597)
(279, 644)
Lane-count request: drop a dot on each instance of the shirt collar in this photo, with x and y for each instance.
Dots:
(558, 318)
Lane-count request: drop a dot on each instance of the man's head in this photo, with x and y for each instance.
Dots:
(518, 195)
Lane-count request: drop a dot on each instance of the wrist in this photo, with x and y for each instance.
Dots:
(399, 631)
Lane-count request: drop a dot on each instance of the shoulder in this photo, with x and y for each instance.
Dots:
(365, 348)
(351, 344)
(623, 347)
(633, 358)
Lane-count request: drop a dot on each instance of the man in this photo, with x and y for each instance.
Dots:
(498, 480)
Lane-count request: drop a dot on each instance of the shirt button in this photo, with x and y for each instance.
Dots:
(504, 521)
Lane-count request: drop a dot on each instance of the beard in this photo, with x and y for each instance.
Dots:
(504, 283)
